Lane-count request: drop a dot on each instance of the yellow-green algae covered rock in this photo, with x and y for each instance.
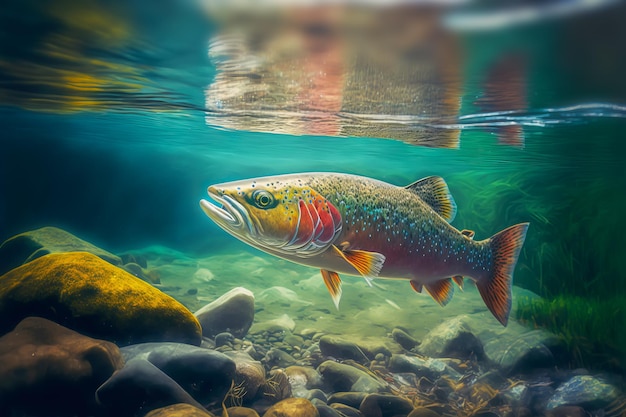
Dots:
(81, 291)
(33, 244)
(179, 410)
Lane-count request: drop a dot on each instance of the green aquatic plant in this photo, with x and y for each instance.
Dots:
(591, 330)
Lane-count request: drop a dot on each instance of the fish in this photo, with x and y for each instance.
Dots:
(356, 225)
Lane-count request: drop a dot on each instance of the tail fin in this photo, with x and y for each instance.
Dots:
(495, 289)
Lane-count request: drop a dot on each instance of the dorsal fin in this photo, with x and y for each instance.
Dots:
(434, 192)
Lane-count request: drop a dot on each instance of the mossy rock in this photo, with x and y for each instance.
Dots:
(31, 245)
(81, 291)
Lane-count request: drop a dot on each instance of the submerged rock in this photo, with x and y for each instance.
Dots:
(430, 368)
(585, 391)
(179, 410)
(141, 387)
(233, 312)
(340, 348)
(33, 244)
(241, 412)
(205, 374)
(534, 349)
(85, 293)
(292, 407)
(249, 376)
(282, 324)
(404, 339)
(452, 339)
(47, 368)
(381, 405)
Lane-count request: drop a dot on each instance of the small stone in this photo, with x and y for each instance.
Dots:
(385, 405)
(339, 348)
(192, 291)
(224, 338)
(140, 387)
(277, 387)
(403, 339)
(179, 410)
(305, 376)
(293, 340)
(275, 326)
(241, 412)
(430, 368)
(585, 391)
(82, 292)
(292, 407)
(452, 339)
(342, 377)
(316, 394)
(233, 312)
(25, 247)
(205, 374)
(59, 367)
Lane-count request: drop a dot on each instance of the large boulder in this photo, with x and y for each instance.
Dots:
(81, 291)
(233, 312)
(46, 369)
(33, 244)
(138, 388)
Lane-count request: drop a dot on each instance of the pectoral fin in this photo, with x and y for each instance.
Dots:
(333, 283)
(441, 291)
(368, 264)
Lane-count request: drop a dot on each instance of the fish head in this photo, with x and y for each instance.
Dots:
(283, 216)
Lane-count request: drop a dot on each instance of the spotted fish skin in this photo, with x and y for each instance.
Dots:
(357, 225)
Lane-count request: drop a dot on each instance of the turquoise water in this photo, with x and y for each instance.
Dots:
(114, 124)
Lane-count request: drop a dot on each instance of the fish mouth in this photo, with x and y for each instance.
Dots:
(231, 216)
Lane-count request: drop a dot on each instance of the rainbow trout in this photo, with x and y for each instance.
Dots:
(356, 225)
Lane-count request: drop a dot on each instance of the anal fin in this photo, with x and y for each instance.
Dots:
(458, 279)
(368, 264)
(417, 287)
(333, 283)
(441, 291)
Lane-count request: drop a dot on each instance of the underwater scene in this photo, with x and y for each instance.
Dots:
(312, 209)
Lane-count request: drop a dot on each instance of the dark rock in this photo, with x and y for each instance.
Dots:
(585, 391)
(241, 412)
(567, 411)
(134, 258)
(192, 291)
(452, 339)
(531, 350)
(346, 410)
(292, 407)
(140, 387)
(337, 347)
(179, 410)
(342, 377)
(423, 412)
(81, 291)
(429, 367)
(58, 367)
(380, 405)
(315, 394)
(224, 339)
(326, 410)
(249, 375)
(403, 339)
(205, 374)
(352, 399)
(276, 387)
(233, 312)
(25, 247)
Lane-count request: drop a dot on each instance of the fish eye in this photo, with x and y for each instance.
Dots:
(263, 199)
